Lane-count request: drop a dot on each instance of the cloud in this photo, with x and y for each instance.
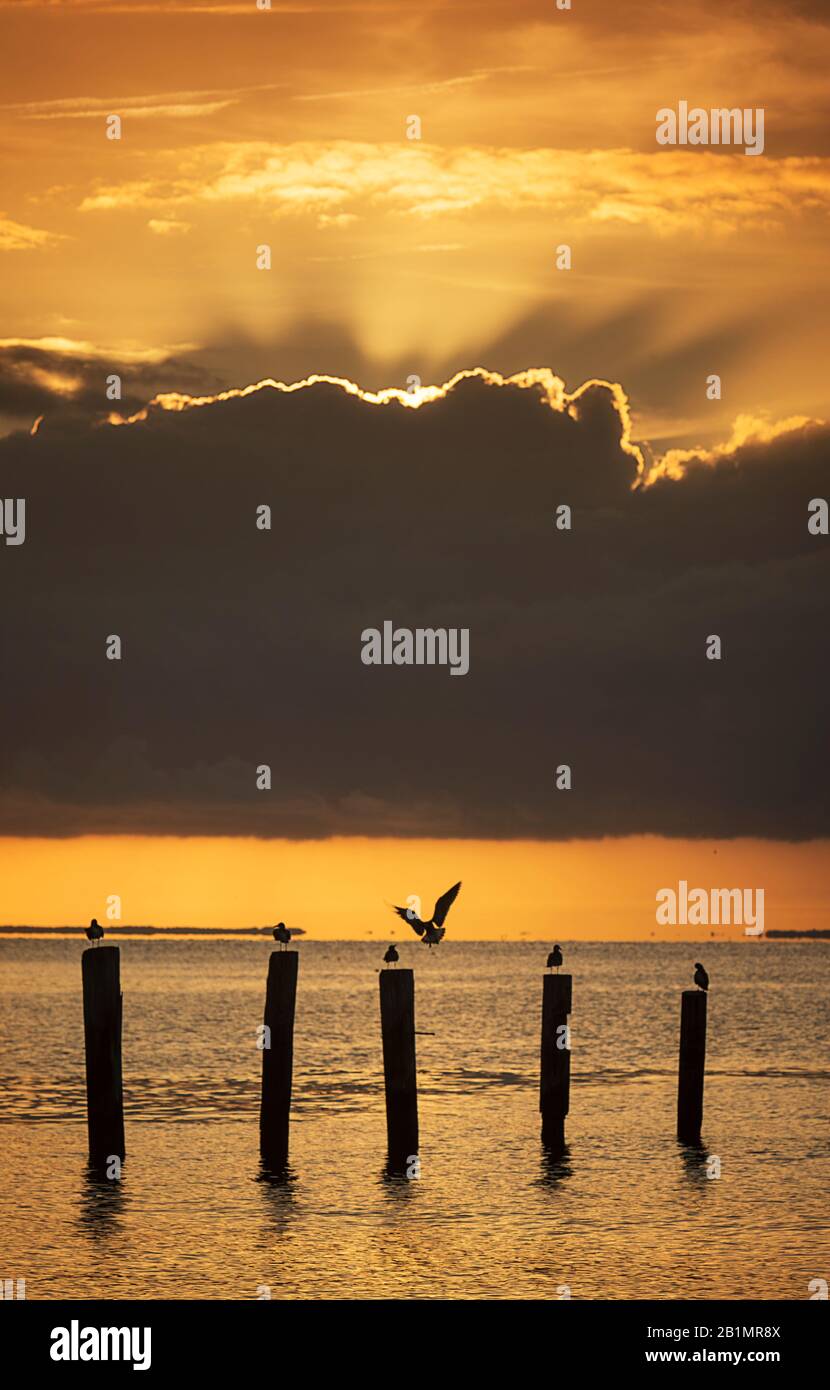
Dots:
(177, 109)
(73, 347)
(669, 191)
(184, 104)
(242, 647)
(168, 226)
(540, 380)
(415, 88)
(747, 429)
(14, 236)
(66, 378)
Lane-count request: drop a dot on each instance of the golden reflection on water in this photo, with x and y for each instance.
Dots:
(624, 1211)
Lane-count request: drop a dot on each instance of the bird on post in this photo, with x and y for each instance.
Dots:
(701, 978)
(555, 958)
(391, 956)
(431, 932)
(94, 932)
(282, 935)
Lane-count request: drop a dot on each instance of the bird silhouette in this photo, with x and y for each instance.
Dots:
(431, 932)
(282, 935)
(391, 956)
(555, 958)
(94, 932)
(701, 978)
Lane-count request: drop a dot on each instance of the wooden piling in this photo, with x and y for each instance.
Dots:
(555, 1083)
(691, 1065)
(100, 973)
(397, 1025)
(278, 1058)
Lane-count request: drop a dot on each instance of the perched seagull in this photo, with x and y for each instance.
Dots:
(282, 934)
(555, 958)
(94, 933)
(432, 931)
(391, 956)
(701, 978)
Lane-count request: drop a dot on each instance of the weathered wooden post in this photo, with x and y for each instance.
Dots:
(397, 1026)
(691, 1065)
(278, 1058)
(555, 1087)
(100, 972)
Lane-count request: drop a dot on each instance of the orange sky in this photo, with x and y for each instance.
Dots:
(339, 888)
(392, 257)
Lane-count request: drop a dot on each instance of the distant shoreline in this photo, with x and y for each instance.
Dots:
(145, 931)
(812, 934)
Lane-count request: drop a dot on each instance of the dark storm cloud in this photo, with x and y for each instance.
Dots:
(242, 647)
(37, 378)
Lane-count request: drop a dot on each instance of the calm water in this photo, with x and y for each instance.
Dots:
(627, 1213)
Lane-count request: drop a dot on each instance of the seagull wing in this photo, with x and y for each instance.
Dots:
(408, 916)
(444, 904)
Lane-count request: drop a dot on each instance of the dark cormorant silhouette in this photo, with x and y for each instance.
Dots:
(555, 958)
(94, 932)
(701, 978)
(431, 932)
(391, 956)
(282, 935)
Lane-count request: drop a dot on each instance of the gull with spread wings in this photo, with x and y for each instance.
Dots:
(432, 931)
